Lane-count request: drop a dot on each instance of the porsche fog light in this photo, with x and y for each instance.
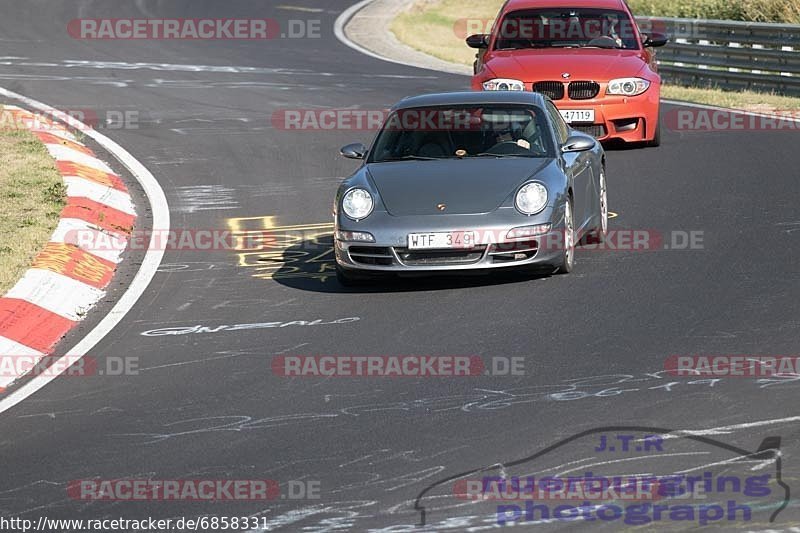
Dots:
(526, 232)
(354, 236)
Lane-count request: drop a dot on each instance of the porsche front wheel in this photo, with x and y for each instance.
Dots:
(567, 259)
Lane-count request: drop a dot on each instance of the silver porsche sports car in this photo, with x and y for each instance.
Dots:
(469, 181)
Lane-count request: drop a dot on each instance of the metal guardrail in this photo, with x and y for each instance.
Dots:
(728, 54)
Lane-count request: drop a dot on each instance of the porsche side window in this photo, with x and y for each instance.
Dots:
(562, 132)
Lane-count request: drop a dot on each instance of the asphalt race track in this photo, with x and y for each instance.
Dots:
(205, 403)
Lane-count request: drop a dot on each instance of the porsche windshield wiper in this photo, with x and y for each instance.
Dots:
(489, 154)
(410, 158)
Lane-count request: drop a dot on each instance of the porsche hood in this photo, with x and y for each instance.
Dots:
(465, 186)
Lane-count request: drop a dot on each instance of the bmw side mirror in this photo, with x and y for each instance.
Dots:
(479, 40)
(655, 40)
(353, 151)
(578, 143)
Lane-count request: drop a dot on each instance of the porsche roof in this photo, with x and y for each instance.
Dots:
(471, 98)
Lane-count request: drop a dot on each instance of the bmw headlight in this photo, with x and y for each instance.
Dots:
(357, 204)
(503, 84)
(627, 86)
(531, 198)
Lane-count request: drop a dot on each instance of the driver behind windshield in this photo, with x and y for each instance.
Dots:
(566, 28)
(514, 132)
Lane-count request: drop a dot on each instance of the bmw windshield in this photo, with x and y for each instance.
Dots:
(566, 28)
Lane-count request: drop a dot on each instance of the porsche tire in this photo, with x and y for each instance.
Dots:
(567, 260)
(348, 278)
(598, 234)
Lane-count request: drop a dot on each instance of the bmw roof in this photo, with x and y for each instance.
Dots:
(471, 98)
(515, 5)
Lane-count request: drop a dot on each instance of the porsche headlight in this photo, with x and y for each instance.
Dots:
(503, 84)
(627, 86)
(531, 198)
(357, 204)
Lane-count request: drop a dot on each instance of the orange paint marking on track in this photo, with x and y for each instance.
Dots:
(75, 263)
(49, 138)
(68, 168)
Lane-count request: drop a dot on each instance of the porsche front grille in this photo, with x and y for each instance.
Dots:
(371, 255)
(514, 251)
(440, 257)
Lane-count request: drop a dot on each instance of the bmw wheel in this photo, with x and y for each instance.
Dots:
(657, 139)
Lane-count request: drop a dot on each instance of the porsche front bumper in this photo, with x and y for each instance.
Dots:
(492, 249)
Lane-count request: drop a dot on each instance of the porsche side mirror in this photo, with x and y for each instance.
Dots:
(578, 143)
(353, 151)
(655, 40)
(479, 40)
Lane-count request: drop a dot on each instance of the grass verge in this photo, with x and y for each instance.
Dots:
(430, 26)
(32, 195)
(786, 11)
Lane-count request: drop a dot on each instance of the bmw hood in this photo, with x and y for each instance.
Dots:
(581, 63)
(465, 186)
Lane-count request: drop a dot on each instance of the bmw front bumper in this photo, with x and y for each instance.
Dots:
(628, 118)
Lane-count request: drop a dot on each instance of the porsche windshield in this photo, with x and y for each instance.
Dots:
(566, 28)
(456, 133)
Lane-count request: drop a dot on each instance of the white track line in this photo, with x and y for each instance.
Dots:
(338, 30)
(681, 103)
(724, 430)
(150, 263)
(13, 347)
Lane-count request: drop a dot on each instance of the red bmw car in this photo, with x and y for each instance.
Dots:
(588, 56)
